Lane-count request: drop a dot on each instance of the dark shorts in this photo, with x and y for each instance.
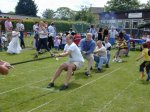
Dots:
(145, 64)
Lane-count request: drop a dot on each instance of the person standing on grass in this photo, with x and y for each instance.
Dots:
(57, 43)
(14, 45)
(21, 28)
(93, 32)
(43, 36)
(127, 38)
(51, 36)
(87, 47)
(8, 29)
(100, 34)
(112, 34)
(107, 45)
(105, 32)
(75, 62)
(63, 41)
(100, 56)
(146, 62)
(36, 35)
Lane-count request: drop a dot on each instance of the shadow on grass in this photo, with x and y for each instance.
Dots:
(144, 82)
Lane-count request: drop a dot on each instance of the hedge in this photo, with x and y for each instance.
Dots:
(61, 26)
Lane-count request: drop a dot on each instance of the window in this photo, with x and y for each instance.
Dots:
(127, 24)
(134, 24)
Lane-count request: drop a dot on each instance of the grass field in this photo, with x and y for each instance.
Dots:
(116, 89)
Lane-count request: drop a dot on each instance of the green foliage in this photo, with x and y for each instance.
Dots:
(122, 5)
(64, 13)
(48, 14)
(147, 5)
(116, 89)
(61, 26)
(11, 12)
(84, 15)
(26, 7)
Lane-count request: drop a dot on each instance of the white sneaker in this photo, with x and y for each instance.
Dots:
(120, 60)
(114, 60)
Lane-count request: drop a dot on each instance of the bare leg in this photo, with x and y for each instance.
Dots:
(58, 72)
(70, 69)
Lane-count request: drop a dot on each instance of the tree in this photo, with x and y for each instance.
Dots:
(48, 14)
(122, 5)
(64, 13)
(84, 15)
(147, 5)
(1, 12)
(26, 7)
(11, 12)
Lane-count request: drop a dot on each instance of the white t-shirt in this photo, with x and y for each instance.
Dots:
(76, 55)
(20, 26)
(93, 31)
(51, 31)
(107, 45)
(101, 51)
(35, 28)
(42, 34)
(113, 33)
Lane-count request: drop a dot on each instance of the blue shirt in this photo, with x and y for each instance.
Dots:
(87, 46)
(127, 37)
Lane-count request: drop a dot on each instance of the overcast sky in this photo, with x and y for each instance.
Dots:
(9, 5)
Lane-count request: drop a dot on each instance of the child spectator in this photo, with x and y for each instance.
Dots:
(14, 45)
(56, 43)
(146, 62)
(63, 41)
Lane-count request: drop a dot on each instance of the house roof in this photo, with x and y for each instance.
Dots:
(97, 10)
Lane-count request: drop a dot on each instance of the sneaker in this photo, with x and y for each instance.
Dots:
(99, 70)
(114, 60)
(52, 55)
(120, 60)
(147, 79)
(87, 73)
(50, 85)
(107, 66)
(35, 56)
(40, 52)
(72, 73)
(63, 87)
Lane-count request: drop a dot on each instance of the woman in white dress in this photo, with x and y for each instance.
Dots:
(14, 45)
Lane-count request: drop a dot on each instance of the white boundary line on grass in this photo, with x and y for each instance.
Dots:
(24, 73)
(22, 86)
(73, 90)
(116, 96)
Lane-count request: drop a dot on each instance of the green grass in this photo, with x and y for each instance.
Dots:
(116, 89)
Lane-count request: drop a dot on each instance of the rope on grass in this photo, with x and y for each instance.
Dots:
(32, 60)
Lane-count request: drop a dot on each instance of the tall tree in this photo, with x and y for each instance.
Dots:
(48, 14)
(1, 12)
(147, 5)
(84, 15)
(64, 13)
(11, 12)
(122, 5)
(26, 7)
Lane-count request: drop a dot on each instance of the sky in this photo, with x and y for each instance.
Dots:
(9, 5)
